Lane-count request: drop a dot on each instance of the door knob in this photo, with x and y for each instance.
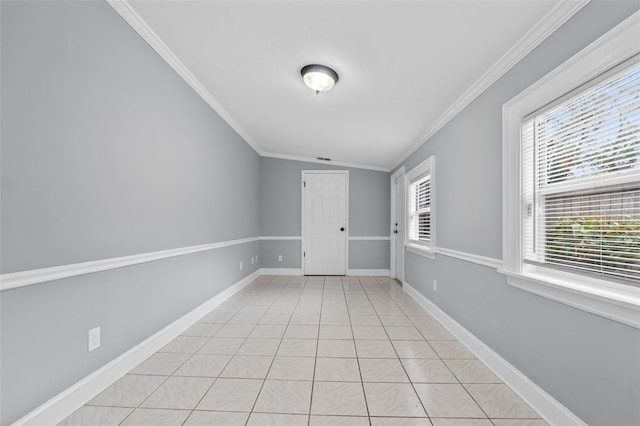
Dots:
(342, 229)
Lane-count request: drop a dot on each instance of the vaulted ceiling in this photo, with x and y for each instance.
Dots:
(405, 67)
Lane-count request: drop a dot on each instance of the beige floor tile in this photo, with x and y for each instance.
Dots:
(222, 346)
(365, 332)
(335, 332)
(235, 330)
(335, 319)
(519, 422)
(375, 349)
(283, 396)
(180, 393)
(399, 421)
(292, 368)
(435, 332)
(395, 321)
(301, 332)
(202, 329)
(497, 400)
(204, 365)
(370, 320)
(263, 331)
(209, 418)
(337, 370)
(154, 417)
(129, 391)
(336, 349)
(451, 349)
(448, 400)
(331, 398)
(275, 319)
(264, 419)
(246, 319)
(471, 371)
(298, 347)
(362, 310)
(338, 421)
(259, 347)
(217, 317)
(97, 416)
(393, 399)
(305, 319)
(414, 349)
(461, 422)
(404, 333)
(247, 367)
(185, 344)
(382, 370)
(428, 371)
(231, 395)
(162, 364)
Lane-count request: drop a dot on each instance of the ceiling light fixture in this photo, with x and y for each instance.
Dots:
(319, 78)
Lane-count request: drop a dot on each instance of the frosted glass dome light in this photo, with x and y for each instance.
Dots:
(319, 78)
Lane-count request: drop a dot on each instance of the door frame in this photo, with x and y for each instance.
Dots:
(393, 242)
(346, 204)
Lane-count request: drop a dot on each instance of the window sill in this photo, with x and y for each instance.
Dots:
(617, 302)
(421, 250)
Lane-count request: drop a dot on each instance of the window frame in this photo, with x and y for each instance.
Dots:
(422, 248)
(603, 297)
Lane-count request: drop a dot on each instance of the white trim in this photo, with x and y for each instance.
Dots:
(144, 30)
(347, 223)
(470, 257)
(329, 163)
(396, 269)
(552, 411)
(68, 401)
(35, 276)
(281, 271)
(281, 237)
(368, 272)
(538, 33)
(608, 299)
(369, 238)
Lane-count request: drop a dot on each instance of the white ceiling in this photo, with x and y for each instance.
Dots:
(401, 64)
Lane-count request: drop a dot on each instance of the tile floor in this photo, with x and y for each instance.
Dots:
(311, 351)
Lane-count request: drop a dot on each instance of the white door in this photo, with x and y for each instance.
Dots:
(397, 228)
(324, 223)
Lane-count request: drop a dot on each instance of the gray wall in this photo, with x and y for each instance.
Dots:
(106, 152)
(588, 363)
(280, 201)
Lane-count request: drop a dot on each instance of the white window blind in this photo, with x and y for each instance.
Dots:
(420, 210)
(581, 180)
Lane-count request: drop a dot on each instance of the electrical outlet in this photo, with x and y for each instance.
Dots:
(435, 285)
(94, 338)
(279, 258)
(252, 260)
(241, 265)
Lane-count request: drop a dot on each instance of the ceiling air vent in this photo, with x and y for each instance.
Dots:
(324, 158)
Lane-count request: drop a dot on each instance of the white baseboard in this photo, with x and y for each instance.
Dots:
(368, 272)
(552, 411)
(68, 401)
(281, 271)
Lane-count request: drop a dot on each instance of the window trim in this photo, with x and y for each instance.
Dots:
(611, 300)
(428, 166)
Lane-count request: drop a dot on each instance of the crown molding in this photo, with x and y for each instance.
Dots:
(136, 22)
(330, 163)
(549, 23)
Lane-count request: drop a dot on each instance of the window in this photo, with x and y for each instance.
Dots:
(420, 237)
(581, 180)
(571, 152)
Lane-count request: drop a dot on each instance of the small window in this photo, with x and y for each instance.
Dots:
(420, 211)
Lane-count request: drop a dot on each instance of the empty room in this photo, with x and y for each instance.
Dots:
(321, 213)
